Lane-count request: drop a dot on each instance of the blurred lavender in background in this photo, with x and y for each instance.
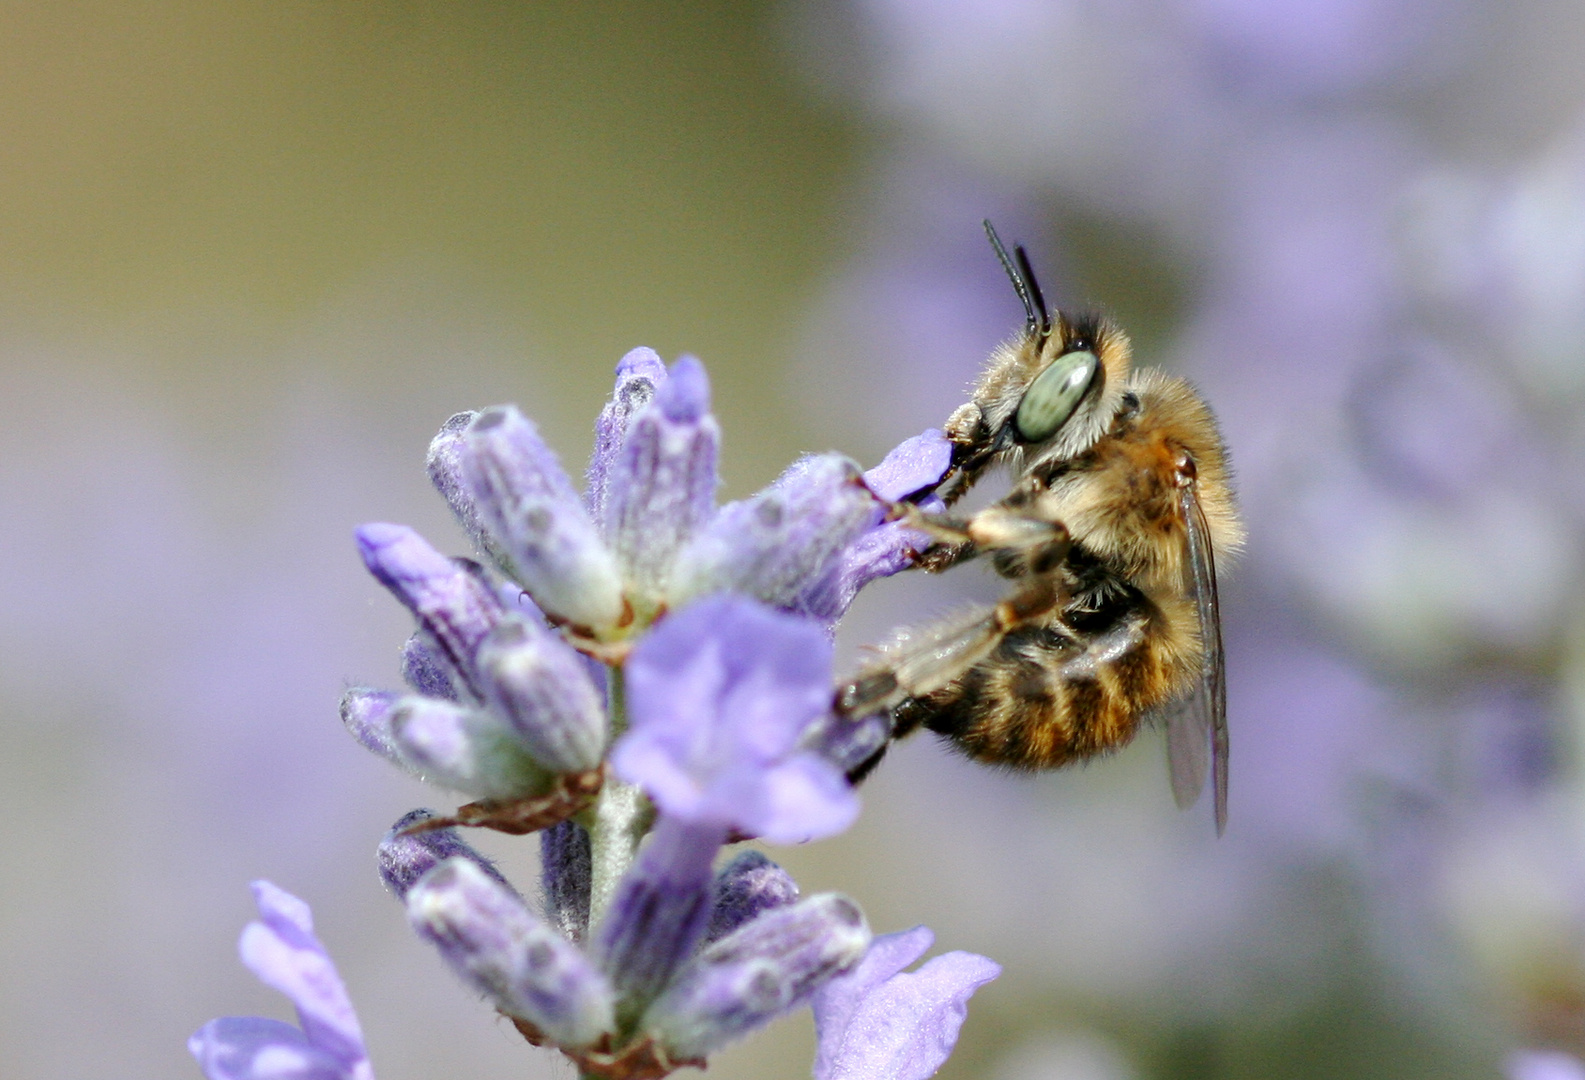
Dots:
(252, 255)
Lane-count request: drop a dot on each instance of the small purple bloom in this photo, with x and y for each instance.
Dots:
(446, 471)
(719, 694)
(637, 375)
(367, 716)
(662, 483)
(465, 749)
(424, 668)
(774, 544)
(746, 888)
(404, 858)
(756, 973)
(879, 1023)
(567, 876)
(453, 601)
(286, 956)
(529, 506)
(660, 911)
(496, 945)
(539, 686)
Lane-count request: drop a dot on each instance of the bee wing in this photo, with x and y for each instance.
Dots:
(1197, 726)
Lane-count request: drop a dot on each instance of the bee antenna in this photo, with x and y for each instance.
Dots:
(1024, 283)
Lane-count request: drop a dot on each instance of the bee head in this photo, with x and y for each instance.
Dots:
(1075, 366)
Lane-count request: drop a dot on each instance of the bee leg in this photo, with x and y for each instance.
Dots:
(935, 657)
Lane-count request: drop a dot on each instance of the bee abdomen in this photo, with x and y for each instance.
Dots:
(1044, 699)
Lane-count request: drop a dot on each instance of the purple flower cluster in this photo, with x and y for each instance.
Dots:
(642, 678)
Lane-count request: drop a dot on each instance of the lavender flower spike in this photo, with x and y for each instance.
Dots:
(286, 956)
(879, 1023)
(491, 939)
(532, 512)
(757, 973)
(718, 695)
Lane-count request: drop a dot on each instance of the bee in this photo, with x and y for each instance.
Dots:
(1109, 538)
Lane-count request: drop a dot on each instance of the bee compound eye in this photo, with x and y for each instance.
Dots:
(1052, 397)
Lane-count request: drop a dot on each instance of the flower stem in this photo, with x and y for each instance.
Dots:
(620, 818)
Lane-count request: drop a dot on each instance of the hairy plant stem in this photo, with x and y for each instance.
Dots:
(619, 819)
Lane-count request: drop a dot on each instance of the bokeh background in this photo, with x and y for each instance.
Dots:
(252, 255)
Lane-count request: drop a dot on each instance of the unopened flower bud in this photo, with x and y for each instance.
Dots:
(465, 749)
(444, 463)
(540, 686)
(566, 876)
(405, 857)
(533, 513)
(754, 974)
(491, 939)
(452, 599)
(745, 888)
(367, 716)
(662, 486)
(426, 669)
(637, 375)
(772, 545)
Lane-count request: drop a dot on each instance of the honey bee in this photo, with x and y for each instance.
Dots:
(1109, 537)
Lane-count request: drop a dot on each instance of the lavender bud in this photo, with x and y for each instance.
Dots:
(446, 473)
(775, 543)
(746, 887)
(403, 859)
(465, 749)
(637, 375)
(367, 716)
(540, 686)
(425, 669)
(567, 876)
(663, 483)
(848, 742)
(490, 938)
(452, 599)
(659, 912)
(761, 970)
(531, 510)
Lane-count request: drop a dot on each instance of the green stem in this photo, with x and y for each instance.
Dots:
(619, 819)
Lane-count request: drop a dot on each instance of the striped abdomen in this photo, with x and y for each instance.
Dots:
(1056, 693)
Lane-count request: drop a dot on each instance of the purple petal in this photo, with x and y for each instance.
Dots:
(781, 541)
(745, 888)
(254, 1048)
(660, 911)
(403, 859)
(719, 694)
(539, 685)
(914, 465)
(453, 601)
(497, 946)
(286, 956)
(662, 485)
(878, 1023)
(756, 973)
(637, 376)
(532, 512)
